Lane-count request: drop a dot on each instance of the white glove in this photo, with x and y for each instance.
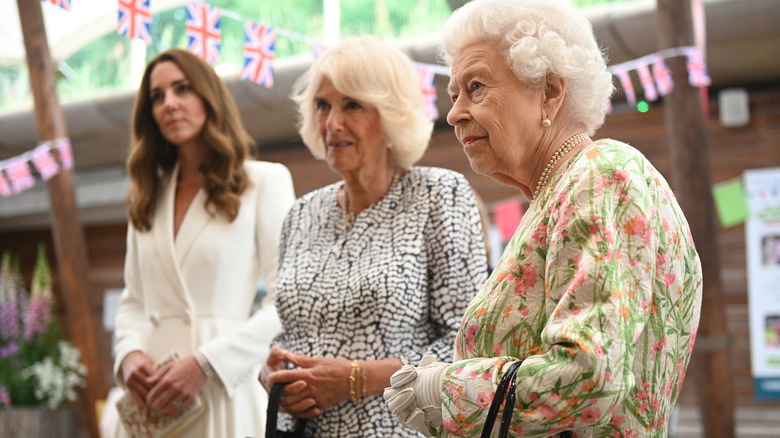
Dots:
(414, 395)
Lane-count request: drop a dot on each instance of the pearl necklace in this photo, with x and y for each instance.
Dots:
(348, 215)
(564, 149)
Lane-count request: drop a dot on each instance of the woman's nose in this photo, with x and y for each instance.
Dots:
(169, 100)
(335, 121)
(458, 114)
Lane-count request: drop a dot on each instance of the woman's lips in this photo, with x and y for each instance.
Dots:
(469, 140)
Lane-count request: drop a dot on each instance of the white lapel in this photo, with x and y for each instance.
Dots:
(162, 228)
(191, 226)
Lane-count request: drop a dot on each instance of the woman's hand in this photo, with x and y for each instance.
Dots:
(318, 384)
(175, 386)
(136, 370)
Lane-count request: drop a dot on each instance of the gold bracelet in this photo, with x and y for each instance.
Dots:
(352, 377)
(363, 377)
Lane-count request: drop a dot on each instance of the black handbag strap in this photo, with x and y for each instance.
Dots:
(506, 390)
(274, 398)
(498, 398)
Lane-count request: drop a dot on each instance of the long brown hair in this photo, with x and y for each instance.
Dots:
(152, 158)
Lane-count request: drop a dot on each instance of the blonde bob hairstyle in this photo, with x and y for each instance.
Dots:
(152, 158)
(541, 39)
(374, 73)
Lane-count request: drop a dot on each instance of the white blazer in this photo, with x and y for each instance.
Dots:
(195, 293)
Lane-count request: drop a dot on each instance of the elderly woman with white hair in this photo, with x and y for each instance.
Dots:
(378, 268)
(595, 303)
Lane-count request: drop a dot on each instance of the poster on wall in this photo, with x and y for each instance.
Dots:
(762, 237)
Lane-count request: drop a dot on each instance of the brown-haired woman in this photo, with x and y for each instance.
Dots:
(204, 229)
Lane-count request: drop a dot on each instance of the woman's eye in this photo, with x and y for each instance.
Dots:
(353, 106)
(321, 105)
(476, 86)
(154, 98)
(184, 88)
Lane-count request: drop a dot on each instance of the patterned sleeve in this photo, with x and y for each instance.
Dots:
(284, 239)
(598, 246)
(457, 263)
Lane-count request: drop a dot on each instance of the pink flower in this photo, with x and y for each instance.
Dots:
(620, 176)
(526, 279)
(484, 399)
(36, 322)
(668, 279)
(591, 415)
(598, 350)
(5, 397)
(549, 412)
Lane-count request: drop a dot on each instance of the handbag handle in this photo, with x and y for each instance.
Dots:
(498, 397)
(274, 398)
(506, 389)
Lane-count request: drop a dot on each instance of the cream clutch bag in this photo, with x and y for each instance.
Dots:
(140, 424)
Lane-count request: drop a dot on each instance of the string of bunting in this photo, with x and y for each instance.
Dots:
(660, 81)
(204, 39)
(16, 173)
(203, 29)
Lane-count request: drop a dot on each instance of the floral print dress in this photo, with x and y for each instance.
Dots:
(598, 294)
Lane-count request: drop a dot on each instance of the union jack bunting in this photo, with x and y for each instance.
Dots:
(19, 174)
(425, 76)
(663, 76)
(135, 20)
(259, 54)
(45, 162)
(628, 86)
(318, 49)
(697, 69)
(608, 107)
(203, 30)
(647, 82)
(66, 154)
(64, 4)
(5, 189)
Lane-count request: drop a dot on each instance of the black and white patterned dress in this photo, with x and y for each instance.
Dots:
(395, 285)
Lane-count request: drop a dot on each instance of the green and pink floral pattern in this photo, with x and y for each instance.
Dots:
(598, 293)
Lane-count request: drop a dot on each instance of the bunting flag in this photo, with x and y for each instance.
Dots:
(662, 75)
(318, 49)
(5, 188)
(44, 162)
(646, 79)
(19, 174)
(66, 154)
(64, 4)
(135, 20)
(203, 31)
(628, 86)
(426, 76)
(259, 54)
(608, 107)
(16, 173)
(697, 69)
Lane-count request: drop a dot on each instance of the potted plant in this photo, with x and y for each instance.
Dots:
(39, 370)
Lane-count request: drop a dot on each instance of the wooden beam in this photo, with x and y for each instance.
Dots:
(686, 124)
(68, 235)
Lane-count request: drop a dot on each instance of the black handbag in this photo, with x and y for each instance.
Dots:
(271, 428)
(506, 392)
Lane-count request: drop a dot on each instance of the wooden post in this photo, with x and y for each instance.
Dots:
(687, 135)
(66, 225)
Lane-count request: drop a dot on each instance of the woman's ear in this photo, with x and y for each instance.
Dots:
(552, 97)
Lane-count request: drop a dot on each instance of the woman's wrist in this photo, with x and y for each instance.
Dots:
(204, 364)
